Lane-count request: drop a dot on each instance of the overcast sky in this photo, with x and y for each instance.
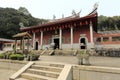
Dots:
(47, 8)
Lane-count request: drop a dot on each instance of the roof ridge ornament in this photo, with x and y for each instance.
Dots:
(74, 14)
(54, 17)
(21, 25)
(95, 7)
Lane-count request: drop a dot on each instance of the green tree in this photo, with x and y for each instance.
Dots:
(10, 19)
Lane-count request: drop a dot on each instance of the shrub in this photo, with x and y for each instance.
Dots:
(2, 56)
(13, 57)
(8, 55)
(16, 57)
(33, 57)
(20, 57)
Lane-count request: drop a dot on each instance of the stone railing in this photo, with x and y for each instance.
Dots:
(95, 72)
(18, 73)
(66, 73)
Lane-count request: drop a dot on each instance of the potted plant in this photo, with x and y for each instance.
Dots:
(33, 55)
(83, 55)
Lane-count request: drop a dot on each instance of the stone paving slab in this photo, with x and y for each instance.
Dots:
(7, 69)
(94, 60)
(6, 73)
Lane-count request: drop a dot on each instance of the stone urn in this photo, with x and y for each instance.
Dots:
(83, 57)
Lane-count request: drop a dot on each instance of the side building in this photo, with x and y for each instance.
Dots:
(108, 39)
(6, 44)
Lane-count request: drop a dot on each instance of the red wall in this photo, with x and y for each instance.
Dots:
(66, 34)
(81, 30)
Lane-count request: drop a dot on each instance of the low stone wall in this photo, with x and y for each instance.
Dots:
(66, 73)
(9, 67)
(95, 73)
(11, 64)
(65, 52)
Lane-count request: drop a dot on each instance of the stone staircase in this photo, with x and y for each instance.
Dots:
(41, 71)
(47, 52)
(65, 52)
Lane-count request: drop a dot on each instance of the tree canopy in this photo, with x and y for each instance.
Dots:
(11, 18)
(108, 23)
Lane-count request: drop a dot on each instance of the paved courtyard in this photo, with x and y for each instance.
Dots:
(7, 69)
(94, 60)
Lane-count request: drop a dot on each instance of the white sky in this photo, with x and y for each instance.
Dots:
(47, 8)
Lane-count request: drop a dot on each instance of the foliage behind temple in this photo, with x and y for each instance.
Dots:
(108, 23)
(10, 19)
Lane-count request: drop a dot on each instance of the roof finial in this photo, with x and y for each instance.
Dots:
(73, 13)
(62, 15)
(54, 17)
(21, 25)
(95, 6)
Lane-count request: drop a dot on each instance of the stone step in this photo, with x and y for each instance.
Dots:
(47, 68)
(64, 52)
(30, 76)
(57, 65)
(47, 52)
(50, 64)
(43, 73)
(21, 79)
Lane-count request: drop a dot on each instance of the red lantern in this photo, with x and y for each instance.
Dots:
(75, 24)
(86, 23)
(69, 25)
(80, 23)
(44, 29)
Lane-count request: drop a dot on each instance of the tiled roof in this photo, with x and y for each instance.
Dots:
(23, 34)
(6, 40)
(110, 32)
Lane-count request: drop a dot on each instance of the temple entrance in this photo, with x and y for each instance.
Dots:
(36, 45)
(56, 41)
(83, 43)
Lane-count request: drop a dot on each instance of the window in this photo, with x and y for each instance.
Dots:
(98, 40)
(105, 39)
(19, 44)
(8, 45)
(49, 40)
(69, 40)
(63, 39)
(117, 38)
(44, 41)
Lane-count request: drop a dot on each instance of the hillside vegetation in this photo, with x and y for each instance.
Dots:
(108, 23)
(10, 20)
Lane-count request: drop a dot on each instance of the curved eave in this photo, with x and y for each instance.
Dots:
(62, 22)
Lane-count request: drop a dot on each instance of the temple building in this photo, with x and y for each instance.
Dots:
(73, 32)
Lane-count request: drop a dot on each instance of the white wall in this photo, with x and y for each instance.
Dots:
(68, 46)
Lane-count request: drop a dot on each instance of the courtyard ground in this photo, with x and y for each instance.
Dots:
(94, 60)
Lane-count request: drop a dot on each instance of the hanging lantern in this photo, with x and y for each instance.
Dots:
(80, 23)
(86, 22)
(75, 24)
